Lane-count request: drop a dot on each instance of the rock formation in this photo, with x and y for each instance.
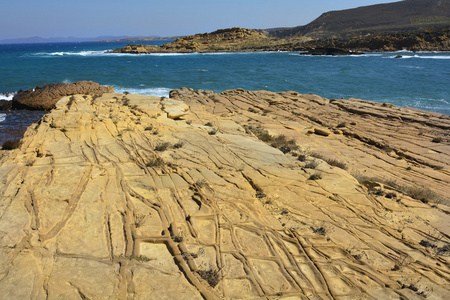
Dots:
(232, 195)
(45, 98)
(223, 40)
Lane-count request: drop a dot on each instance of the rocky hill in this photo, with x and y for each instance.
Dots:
(389, 17)
(232, 195)
(223, 40)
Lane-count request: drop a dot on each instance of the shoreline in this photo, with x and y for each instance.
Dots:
(291, 183)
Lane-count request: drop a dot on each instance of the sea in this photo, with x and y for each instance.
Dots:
(420, 80)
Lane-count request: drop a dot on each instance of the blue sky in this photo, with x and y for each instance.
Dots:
(92, 18)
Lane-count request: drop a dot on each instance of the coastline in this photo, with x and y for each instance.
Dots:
(166, 189)
(241, 39)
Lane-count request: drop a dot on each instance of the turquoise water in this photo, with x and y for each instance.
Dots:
(418, 80)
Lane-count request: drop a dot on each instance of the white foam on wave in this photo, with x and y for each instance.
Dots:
(421, 56)
(79, 53)
(2, 117)
(7, 95)
(158, 91)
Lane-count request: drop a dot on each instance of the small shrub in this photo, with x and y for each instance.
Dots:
(317, 155)
(282, 143)
(376, 192)
(422, 194)
(391, 195)
(209, 124)
(212, 132)
(140, 258)
(211, 276)
(444, 251)
(427, 244)
(336, 163)
(177, 145)
(320, 230)
(260, 194)
(149, 128)
(315, 176)
(11, 144)
(312, 164)
(201, 183)
(302, 157)
(71, 101)
(162, 147)
(155, 162)
(139, 220)
(437, 140)
(340, 125)
(177, 238)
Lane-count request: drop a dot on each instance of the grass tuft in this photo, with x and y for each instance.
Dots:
(315, 176)
(211, 276)
(162, 147)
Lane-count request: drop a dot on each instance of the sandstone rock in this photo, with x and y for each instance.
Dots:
(322, 131)
(45, 98)
(105, 200)
(175, 109)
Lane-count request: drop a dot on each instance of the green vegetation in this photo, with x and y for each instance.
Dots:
(422, 194)
(162, 147)
(155, 162)
(331, 161)
(280, 142)
(140, 258)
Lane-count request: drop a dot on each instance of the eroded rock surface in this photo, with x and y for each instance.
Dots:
(45, 98)
(112, 198)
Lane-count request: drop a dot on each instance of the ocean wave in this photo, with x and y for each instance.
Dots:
(157, 91)
(420, 56)
(78, 53)
(7, 95)
(2, 117)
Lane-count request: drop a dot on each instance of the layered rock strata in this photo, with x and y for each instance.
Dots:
(130, 196)
(45, 98)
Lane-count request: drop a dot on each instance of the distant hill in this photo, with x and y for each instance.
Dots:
(390, 17)
(37, 39)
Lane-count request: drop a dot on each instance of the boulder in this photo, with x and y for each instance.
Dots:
(322, 131)
(331, 51)
(45, 98)
(5, 105)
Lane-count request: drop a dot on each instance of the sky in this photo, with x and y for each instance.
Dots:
(93, 18)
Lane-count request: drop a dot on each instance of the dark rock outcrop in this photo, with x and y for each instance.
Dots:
(45, 98)
(5, 105)
(330, 51)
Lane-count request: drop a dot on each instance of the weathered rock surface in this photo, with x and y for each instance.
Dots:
(111, 198)
(222, 40)
(45, 98)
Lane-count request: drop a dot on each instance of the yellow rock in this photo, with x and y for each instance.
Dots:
(108, 198)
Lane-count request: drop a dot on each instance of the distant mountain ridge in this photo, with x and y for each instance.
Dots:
(389, 17)
(37, 39)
